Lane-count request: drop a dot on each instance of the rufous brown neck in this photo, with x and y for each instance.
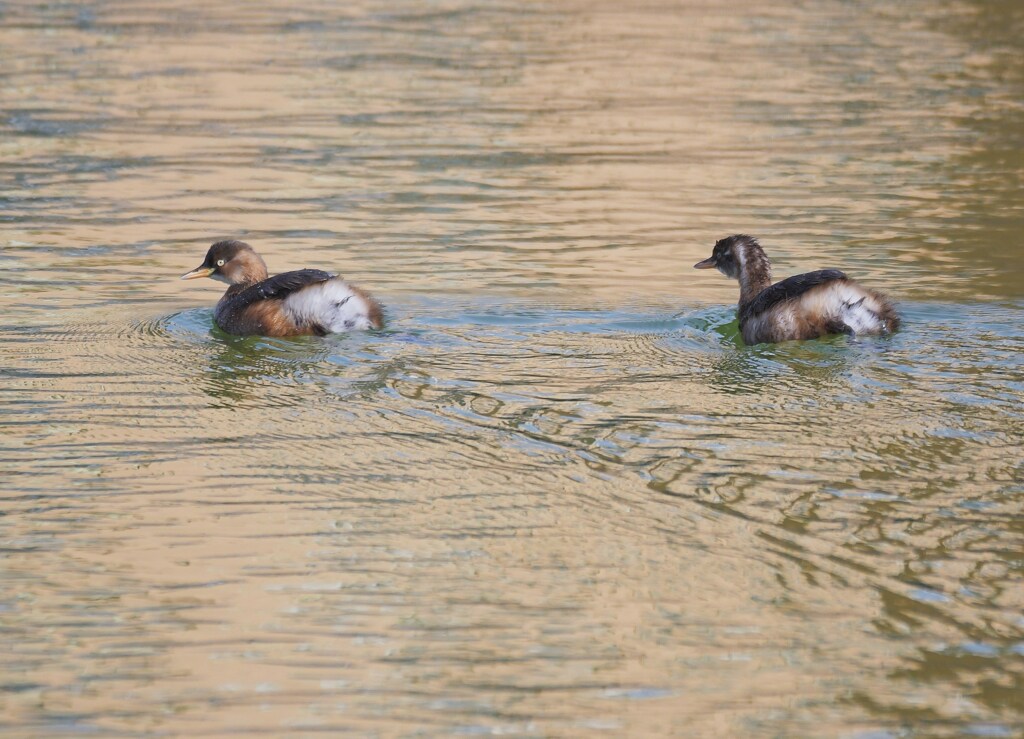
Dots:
(247, 268)
(755, 273)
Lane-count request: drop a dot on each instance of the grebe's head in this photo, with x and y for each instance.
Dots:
(733, 254)
(233, 262)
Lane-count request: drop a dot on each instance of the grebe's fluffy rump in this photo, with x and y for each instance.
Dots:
(334, 306)
(837, 306)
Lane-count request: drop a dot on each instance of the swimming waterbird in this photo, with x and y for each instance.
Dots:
(306, 301)
(799, 307)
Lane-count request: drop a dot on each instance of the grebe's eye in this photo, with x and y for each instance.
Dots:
(220, 262)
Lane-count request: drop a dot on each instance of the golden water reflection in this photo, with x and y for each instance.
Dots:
(557, 496)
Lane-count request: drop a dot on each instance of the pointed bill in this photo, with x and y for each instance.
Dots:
(197, 273)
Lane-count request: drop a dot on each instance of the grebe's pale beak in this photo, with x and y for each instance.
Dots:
(197, 273)
(708, 263)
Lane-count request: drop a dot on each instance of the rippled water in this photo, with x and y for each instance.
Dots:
(556, 496)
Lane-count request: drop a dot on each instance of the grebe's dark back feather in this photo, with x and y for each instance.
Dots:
(788, 289)
(232, 307)
(279, 286)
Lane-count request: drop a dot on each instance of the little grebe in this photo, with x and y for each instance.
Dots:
(800, 307)
(306, 301)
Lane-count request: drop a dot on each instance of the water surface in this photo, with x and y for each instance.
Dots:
(556, 496)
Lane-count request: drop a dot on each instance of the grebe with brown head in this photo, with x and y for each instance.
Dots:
(302, 302)
(803, 306)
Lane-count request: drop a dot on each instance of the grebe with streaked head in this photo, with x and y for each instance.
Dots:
(799, 307)
(306, 301)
